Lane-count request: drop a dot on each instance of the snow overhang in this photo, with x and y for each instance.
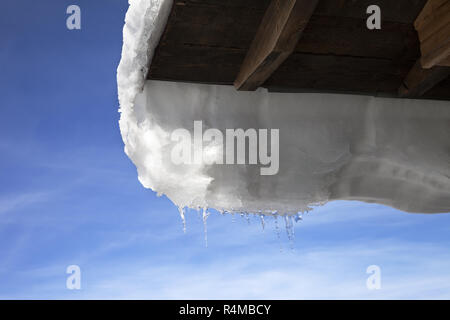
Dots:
(330, 146)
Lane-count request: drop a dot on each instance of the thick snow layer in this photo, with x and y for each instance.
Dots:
(389, 151)
(144, 23)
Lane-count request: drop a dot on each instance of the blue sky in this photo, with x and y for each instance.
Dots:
(69, 195)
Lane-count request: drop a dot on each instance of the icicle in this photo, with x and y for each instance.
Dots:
(277, 230)
(248, 218)
(289, 227)
(263, 223)
(292, 227)
(289, 230)
(298, 217)
(182, 214)
(205, 217)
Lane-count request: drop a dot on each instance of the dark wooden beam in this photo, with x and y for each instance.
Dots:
(445, 62)
(420, 80)
(433, 28)
(276, 38)
(436, 49)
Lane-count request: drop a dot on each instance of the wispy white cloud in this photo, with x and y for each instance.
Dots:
(12, 202)
(322, 273)
(336, 272)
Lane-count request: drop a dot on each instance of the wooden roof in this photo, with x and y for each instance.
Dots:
(207, 41)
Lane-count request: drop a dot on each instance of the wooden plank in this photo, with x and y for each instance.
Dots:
(330, 73)
(319, 72)
(237, 4)
(350, 37)
(428, 13)
(197, 64)
(436, 48)
(278, 34)
(214, 26)
(420, 80)
(436, 57)
(438, 20)
(433, 27)
(404, 11)
(445, 62)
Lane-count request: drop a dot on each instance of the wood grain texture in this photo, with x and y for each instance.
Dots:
(436, 48)
(206, 41)
(278, 34)
(433, 28)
